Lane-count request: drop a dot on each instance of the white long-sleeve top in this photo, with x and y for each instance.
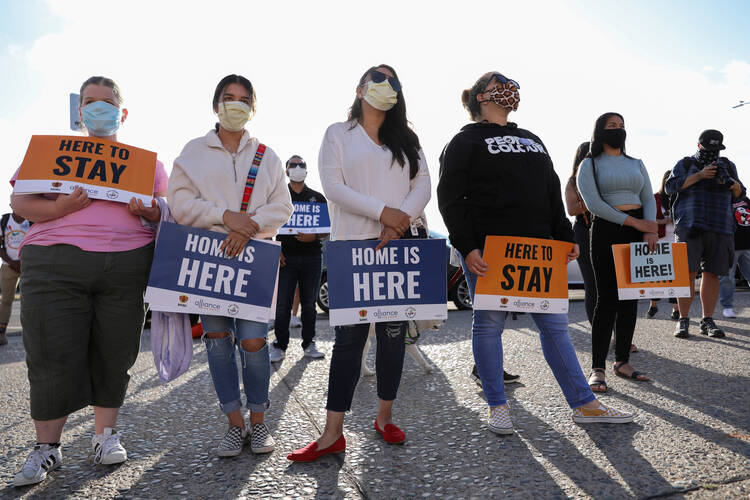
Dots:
(206, 180)
(361, 178)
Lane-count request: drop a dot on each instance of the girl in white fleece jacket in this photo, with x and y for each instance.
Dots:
(206, 190)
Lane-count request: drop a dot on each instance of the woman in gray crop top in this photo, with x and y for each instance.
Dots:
(617, 192)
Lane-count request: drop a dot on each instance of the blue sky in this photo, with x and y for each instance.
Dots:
(672, 68)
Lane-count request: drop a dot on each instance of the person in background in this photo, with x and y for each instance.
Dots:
(741, 258)
(617, 191)
(376, 179)
(84, 268)
(577, 208)
(498, 179)
(209, 181)
(666, 234)
(301, 264)
(705, 186)
(14, 229)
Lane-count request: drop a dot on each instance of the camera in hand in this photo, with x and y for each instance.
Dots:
(722, 176)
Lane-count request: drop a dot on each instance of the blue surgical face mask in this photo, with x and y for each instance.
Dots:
(101, 118)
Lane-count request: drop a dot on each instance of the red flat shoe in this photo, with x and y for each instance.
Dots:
(310, 452)
(391, 433)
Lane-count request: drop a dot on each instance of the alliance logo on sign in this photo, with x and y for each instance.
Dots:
(522, 304)
(209, 306)
(112, 194)
(410, 312)
(233, 309)
(381, 314)
(183, 300)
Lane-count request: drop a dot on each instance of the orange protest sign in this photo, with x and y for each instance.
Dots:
(628, 290)
(526, 274)
(107, 170)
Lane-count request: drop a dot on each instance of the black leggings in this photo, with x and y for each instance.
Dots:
(346, 362)
(583, 239)
(609, 310)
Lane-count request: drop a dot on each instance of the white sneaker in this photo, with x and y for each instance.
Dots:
(277, 354)
(231, 443)
(603, 415)
(261, 440)
(728, 312)
(295, 322)
(107, 448)
(312, 352)
(499, 420)
(43, 459)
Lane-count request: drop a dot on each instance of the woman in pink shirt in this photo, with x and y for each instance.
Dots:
(84, 268)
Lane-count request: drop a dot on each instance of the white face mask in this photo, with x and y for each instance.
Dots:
(233, 115)
(297, 174)
(380, 95)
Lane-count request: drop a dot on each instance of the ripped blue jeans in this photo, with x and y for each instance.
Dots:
(346, 362)
(222, 363)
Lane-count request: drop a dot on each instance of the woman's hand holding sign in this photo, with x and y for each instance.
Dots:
(241, 223)
(234, 243)
(386, 235)
(574, 253)
(651, 239)
(69, 203)
(476, 264)
(396, 219)
(151, 214)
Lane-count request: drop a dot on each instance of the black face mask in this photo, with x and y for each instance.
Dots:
(614, 137)
(706, 157)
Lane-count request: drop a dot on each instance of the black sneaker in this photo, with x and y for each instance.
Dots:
(675, 315)
(681, 332)
(507, 377)
(652, 312)
(708, 327)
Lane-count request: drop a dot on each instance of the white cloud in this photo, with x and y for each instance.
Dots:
(304, 59)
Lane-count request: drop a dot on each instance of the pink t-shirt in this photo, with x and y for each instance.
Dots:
(103, 226)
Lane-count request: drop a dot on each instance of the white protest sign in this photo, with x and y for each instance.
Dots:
(646, 266)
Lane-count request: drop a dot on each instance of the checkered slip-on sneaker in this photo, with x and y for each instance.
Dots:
(603, 415)
(231, 443)
(261, 440)
(499, 420)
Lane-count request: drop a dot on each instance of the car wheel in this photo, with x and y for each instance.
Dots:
(323, 293)
(461, 296)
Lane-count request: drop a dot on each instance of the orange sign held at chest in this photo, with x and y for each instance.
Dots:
(107, 170)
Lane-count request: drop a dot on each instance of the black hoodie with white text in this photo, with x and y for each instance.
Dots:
(499, 180)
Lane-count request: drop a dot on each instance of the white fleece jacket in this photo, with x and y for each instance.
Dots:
(360, 178)
(206, 181)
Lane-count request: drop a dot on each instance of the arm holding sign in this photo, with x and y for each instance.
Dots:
(419, 190)
(39, 208)
(453, 196)
(330, 165)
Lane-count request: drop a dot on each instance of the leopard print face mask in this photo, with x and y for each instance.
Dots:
(504, 95)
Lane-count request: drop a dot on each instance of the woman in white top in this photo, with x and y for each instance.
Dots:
(376, 180)
(206, 191)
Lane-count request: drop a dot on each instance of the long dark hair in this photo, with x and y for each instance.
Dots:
(395, 132)
(664, 183)
(596, 136)
(581, 153)
(228, 80)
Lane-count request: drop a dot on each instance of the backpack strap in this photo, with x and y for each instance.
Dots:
(3, 224)
(251, 175)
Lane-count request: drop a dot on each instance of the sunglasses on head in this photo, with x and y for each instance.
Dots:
(293, 164)
(378, 77)
(503, 79)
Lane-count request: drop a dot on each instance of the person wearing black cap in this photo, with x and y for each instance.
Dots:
(705, 186)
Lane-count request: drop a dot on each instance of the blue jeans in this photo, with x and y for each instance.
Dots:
(726, 283)
(222, 363)
(487, 345)
(305, 271)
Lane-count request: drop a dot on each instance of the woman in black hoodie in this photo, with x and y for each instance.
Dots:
(498, 179)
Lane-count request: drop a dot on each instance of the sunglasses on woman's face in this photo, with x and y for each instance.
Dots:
(293, 164)
(503, 80)
(378, 77)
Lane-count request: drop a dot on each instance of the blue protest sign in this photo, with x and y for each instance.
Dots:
(308, 217)
(405, 280)
(190, 274)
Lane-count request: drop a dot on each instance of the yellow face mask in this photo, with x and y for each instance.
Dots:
(380, 95)
(233, 115)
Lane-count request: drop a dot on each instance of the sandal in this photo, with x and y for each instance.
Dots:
(596, 383)
(636, 375)
(633, 348)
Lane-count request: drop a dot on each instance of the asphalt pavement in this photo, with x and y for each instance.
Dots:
(690, 438)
